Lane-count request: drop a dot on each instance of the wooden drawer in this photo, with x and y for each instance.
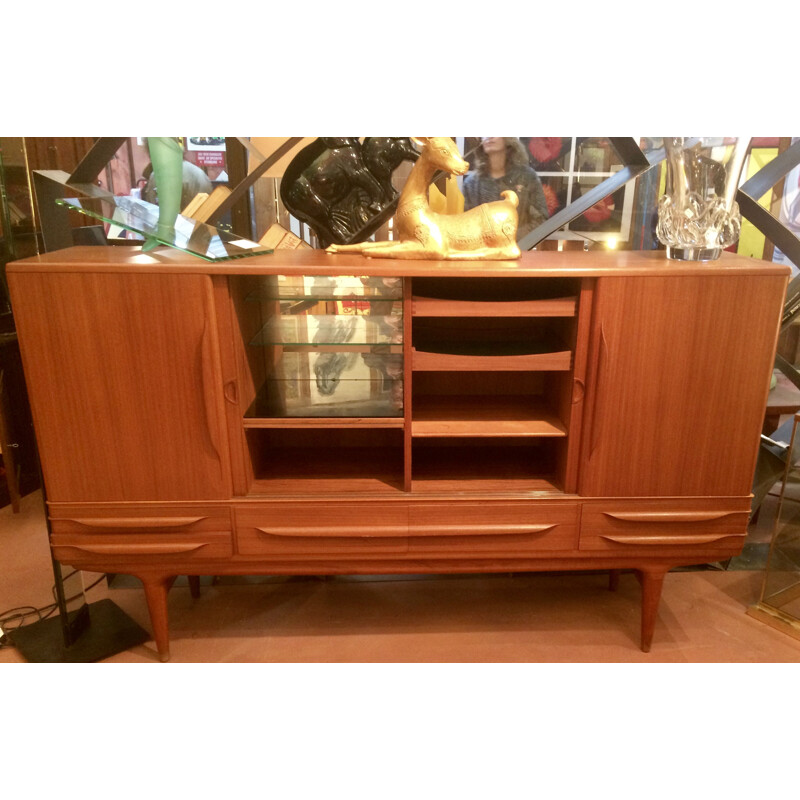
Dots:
(706, 524)
(111, 534)
(485, 529)
(90, 549)
(126, 519)
(322, 530)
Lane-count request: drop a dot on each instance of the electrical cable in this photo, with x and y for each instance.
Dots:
(11, 615)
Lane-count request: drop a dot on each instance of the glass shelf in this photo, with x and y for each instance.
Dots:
(321, 288)
(351, 398)
(343, 331)
(140, 217)
(332, 384)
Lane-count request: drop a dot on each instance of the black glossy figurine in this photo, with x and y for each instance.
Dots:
(342, 188)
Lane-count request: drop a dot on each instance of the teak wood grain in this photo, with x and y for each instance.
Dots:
(680, 375)
(124, 379)
(631, 445)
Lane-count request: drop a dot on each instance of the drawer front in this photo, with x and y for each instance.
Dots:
(159, 519)
(322, 530)
(100, 535)
(705, 524)
(110, 549)
(487, 529)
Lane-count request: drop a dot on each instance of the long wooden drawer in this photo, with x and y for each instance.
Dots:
(321, 530)
(703, 523)
(492, 528)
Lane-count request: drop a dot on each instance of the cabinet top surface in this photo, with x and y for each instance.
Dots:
(288, 262)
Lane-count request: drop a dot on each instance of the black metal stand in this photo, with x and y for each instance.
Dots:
(90, 633)
(108, 630)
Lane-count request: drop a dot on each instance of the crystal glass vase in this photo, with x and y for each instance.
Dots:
(697, 214)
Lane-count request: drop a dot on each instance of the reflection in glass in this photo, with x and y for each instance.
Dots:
(331, 329)
(780, 595)
(318, 288)
(333, 383)
(324, 346)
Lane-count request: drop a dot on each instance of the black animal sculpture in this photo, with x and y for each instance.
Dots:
(343, 189)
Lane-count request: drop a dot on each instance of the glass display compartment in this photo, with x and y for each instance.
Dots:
(779, 604)
(325, 347)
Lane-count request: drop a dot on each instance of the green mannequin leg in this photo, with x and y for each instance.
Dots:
(167, 159)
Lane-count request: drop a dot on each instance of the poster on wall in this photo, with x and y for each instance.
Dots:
(207, 151)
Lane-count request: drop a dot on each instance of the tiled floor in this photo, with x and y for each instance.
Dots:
(496, 618)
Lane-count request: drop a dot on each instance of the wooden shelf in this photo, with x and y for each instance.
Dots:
(437, 307)
(483, 416)
(304, 470)
(507, 359)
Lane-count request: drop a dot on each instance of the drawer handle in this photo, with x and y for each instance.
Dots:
(155, 549)
(473, 530)
(669, 516)
(675, 539)
(318, 531)
(135, 522)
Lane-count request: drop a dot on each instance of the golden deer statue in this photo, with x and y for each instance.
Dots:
(488, 231)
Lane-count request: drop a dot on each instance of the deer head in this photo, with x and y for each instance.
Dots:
(441, 151)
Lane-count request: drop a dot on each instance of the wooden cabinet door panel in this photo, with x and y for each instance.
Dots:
(680, 370)
(123, 373)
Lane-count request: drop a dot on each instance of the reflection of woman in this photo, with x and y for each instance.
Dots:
(500, 164)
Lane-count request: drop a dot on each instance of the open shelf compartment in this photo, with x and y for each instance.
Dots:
(484, 464)
(325, 459)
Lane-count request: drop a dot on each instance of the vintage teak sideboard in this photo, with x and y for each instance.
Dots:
(314, 414)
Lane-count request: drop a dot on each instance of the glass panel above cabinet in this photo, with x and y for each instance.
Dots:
(187, 234)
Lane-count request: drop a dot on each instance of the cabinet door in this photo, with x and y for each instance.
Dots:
(680, 370)
(124, 380)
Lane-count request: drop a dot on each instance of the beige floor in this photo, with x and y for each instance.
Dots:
(499, 618)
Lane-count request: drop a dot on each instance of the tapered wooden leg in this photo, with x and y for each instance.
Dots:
(652, 580)
(155, 591)
(613, 580)
(194, 585)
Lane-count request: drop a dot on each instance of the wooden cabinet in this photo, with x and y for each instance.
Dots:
(307, 413)
(123, 373)
(680, 373)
